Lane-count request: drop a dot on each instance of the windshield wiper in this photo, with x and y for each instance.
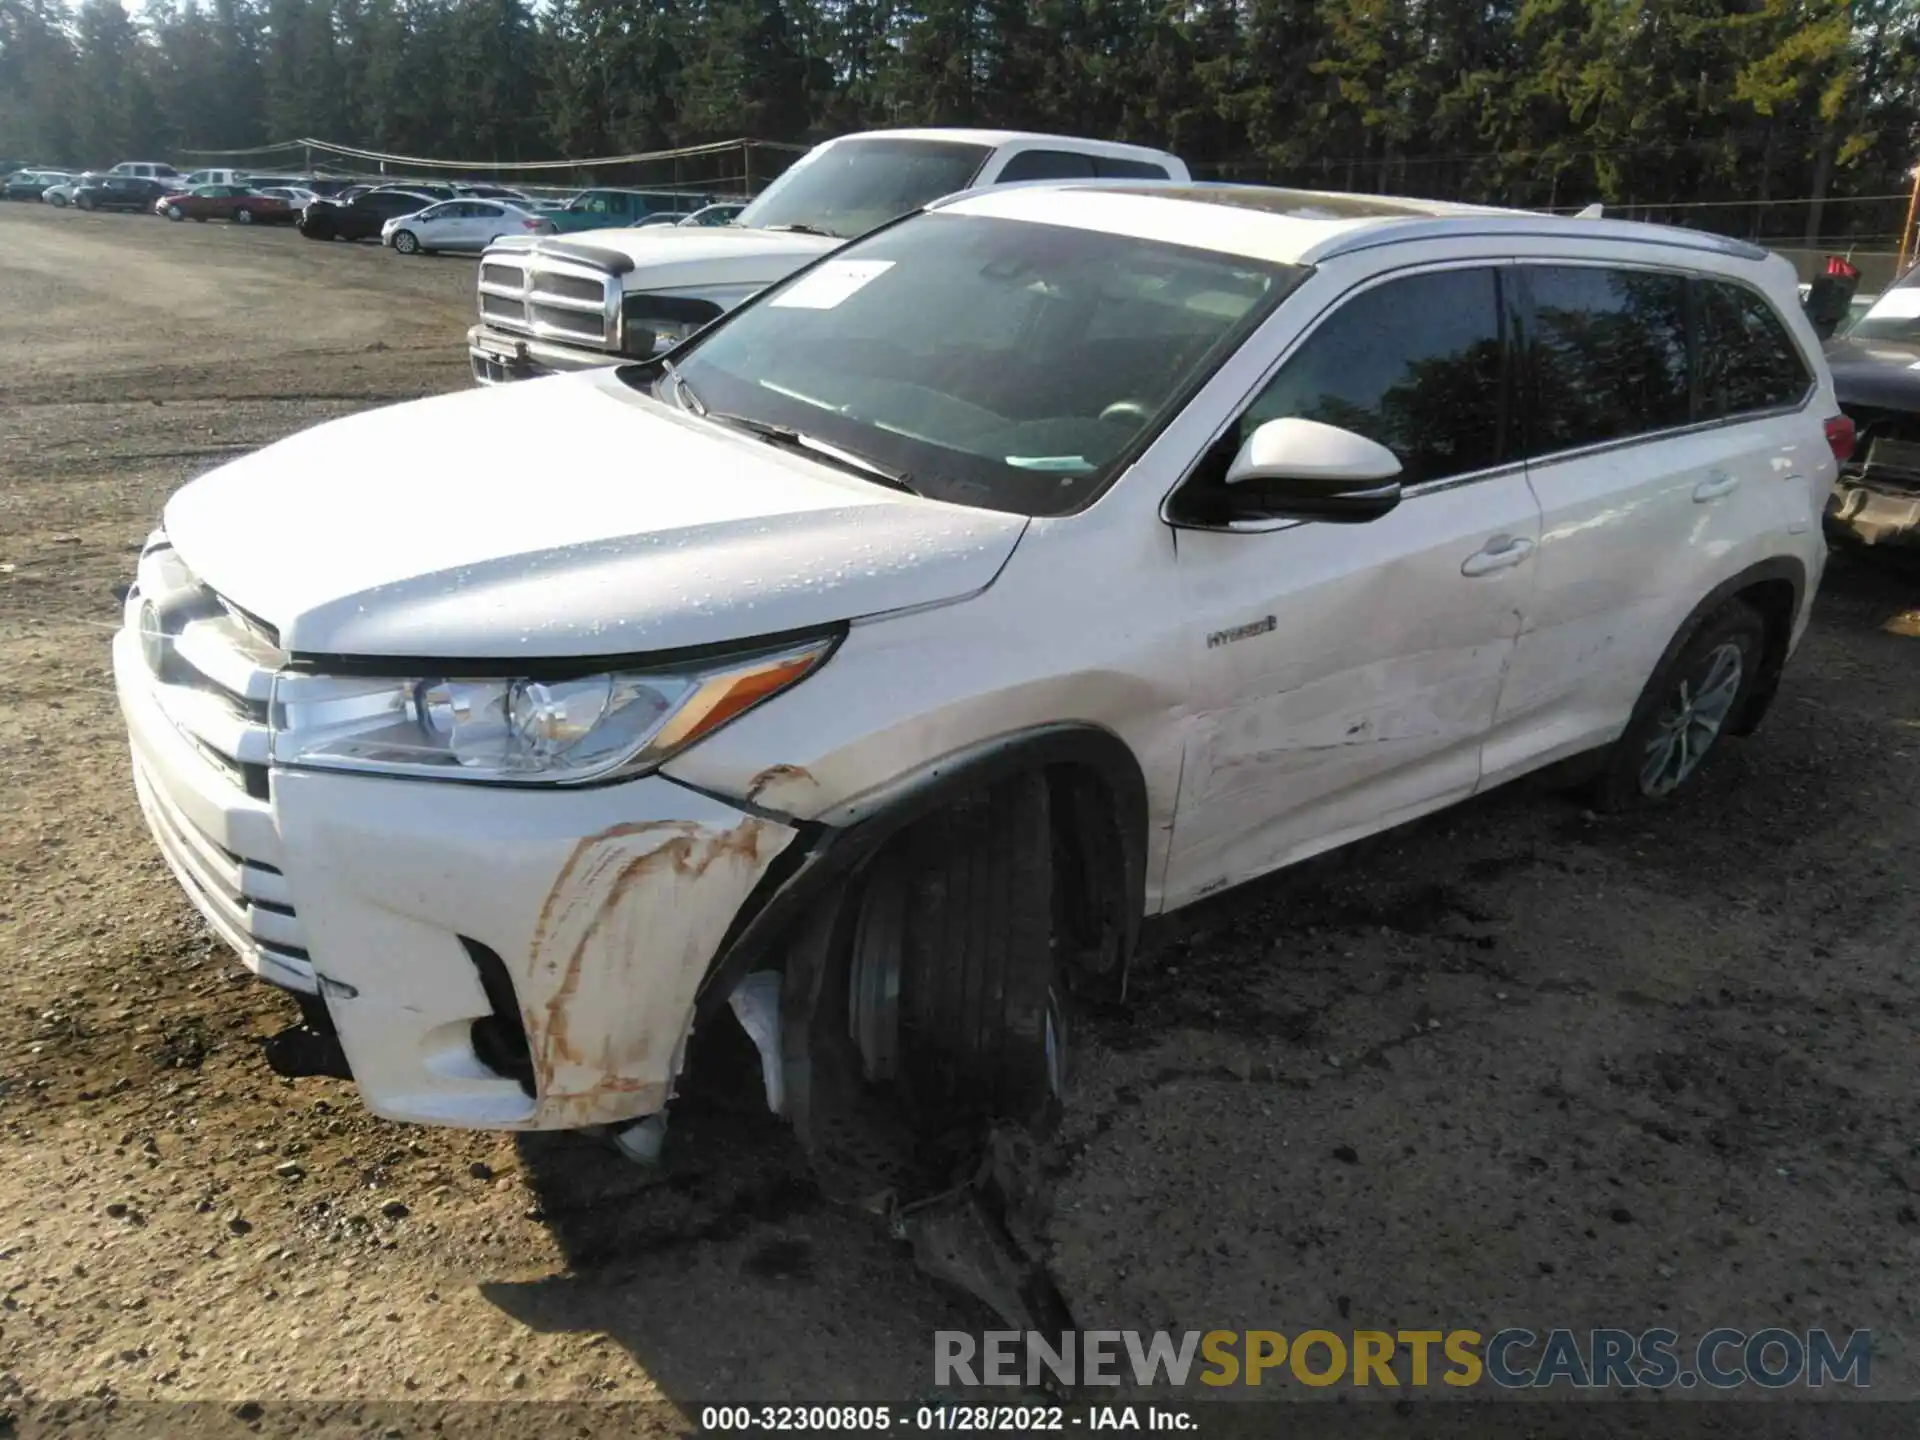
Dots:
(682, 391)
(806, 230)
(791, 439)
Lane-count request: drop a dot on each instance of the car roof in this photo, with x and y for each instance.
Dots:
(1296, 227)
(996, 138)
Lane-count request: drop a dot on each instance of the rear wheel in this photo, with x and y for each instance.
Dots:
(1684, 710)
(406, 242)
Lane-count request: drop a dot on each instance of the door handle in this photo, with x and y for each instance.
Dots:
(1714, 486)
(1503, 552)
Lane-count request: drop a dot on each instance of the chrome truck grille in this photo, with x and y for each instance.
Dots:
(208, 672)
(550, 299)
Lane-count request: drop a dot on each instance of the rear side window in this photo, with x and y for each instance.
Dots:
(1047, 165)
(1416, 364)
(1609, 355)
(1110, 168)
(1748, 361)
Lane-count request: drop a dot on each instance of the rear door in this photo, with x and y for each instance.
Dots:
(1650, 489)
(487, 222)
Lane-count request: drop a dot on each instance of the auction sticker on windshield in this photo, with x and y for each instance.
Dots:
(833, 282)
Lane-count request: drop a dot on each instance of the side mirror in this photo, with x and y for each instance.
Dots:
(1303, 470)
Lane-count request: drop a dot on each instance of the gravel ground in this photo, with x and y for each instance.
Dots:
(1514, 1065)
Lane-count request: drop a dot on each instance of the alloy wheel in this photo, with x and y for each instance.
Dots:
(1691, 720)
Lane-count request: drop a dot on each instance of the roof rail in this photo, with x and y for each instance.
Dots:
(1543, 226)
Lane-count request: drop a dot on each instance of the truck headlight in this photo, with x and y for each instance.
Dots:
(525, 730)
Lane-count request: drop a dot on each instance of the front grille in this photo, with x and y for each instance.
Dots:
(574, 287)
(209, 670)
(546, 298)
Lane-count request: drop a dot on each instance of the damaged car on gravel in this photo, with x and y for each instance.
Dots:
(863, 670)
(1876, 376)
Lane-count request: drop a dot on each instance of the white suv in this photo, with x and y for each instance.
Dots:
(877, 659)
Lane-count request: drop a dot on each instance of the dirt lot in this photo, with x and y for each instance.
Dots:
(1514, 1066)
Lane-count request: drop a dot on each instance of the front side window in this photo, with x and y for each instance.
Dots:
(1747, 360)
(1417, 364)
(1609, 355)
(853, 186)
(992, 362)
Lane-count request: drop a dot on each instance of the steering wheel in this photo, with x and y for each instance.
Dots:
(1126, 410)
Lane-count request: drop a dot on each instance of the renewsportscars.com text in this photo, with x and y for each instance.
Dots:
(1510, 1359)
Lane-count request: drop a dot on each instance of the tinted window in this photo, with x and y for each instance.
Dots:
(1610, 355)
(1047, 165)
(1129, 169)
(1747, 360)
(851, 186)
(1416, 364)
(485, 212)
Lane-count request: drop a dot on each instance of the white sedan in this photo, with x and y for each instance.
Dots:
(460, 225)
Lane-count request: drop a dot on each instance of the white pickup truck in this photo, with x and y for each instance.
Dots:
(575, 302)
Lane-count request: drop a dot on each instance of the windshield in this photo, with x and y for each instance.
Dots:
(1895, 315)
(989, 362)
(853, 186)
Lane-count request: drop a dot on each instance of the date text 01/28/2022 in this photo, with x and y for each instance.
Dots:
(1014, 1419)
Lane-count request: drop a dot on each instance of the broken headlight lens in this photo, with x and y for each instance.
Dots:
(528, 731)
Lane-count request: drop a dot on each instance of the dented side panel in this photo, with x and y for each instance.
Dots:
(1367, 701)
(606, 905)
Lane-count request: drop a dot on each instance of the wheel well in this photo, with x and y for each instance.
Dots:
(1775, 601)
(1095, 791)
(1095, 917)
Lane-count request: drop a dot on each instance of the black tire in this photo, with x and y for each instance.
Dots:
(175, 213)
(405, 242)
(1629, 778)
(81, 202)
(243, 217)
(920, 1000)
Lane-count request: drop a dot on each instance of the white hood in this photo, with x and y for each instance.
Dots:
(665, 256)
(562, 517)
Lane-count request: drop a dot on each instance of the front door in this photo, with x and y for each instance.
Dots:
(1344, 676)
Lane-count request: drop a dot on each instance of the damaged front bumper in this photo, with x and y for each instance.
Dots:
(489, 957)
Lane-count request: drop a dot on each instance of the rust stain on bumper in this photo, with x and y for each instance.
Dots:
(623, 939)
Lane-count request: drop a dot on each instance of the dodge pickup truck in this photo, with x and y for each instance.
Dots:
(561, 304)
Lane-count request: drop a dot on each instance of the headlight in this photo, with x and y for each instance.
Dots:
(521, 731)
